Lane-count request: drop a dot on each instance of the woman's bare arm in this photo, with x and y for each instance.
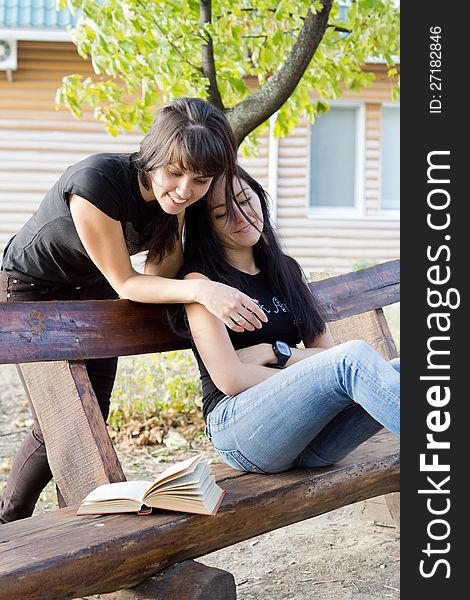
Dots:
(228, 372)
(319, 344)
(104, 242)
(263, 354)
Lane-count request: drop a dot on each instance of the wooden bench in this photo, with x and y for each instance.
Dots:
(57, 555)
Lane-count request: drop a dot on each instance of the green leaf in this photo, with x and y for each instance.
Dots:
(282, 12)
(278, 38)
(321, 107)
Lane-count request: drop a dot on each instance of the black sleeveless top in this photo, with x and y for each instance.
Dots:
(280, 326)
(47, 247)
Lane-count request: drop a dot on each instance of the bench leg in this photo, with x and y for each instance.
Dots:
(393, 505)
(383, 510)
(80, 453)
(189, 580)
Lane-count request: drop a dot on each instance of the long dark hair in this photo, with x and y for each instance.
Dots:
(201, 246)
(193, 135)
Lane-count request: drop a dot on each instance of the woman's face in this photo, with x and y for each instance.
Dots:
(175, 189)
(239, 233)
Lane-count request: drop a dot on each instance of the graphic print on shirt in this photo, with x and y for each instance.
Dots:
(277, 307)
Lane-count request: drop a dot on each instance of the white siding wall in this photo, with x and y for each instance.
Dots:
(37, 142)
(337, 243)
(334, 243)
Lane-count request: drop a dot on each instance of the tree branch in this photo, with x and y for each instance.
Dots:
(339, 29)
(208, 62)
(257, 108)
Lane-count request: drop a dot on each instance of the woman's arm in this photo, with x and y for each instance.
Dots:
(228, 372)
(319, 344)
(103, 239)
(263, 354)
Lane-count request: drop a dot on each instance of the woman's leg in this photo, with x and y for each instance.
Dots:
(325, 449)
(266, 428)
(30, 472)
(29, 475)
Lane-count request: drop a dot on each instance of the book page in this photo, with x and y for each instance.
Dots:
(131, 490)
(175, 471)
(204, 505)
(192, 480)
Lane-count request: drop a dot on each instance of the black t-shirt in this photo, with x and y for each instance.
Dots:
(47, 248)
(280, 326)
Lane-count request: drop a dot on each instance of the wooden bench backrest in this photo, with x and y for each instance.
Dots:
(370, 326)
(49, 340)
(76, 330)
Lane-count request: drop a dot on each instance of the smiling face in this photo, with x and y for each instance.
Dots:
(239, 233)
(175, 189)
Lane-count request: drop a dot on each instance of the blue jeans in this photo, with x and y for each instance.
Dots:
(310, 414)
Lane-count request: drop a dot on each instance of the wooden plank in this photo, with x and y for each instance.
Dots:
(388, 340)
(70, 330)
(80, 453)
(370, 326)
(74, 330)
(189, 580)
(359, 291)
(98, 554)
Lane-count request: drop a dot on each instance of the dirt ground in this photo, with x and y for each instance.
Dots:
(342, 555)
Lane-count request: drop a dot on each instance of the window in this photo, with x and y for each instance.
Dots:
(334, 159)
(390, 167)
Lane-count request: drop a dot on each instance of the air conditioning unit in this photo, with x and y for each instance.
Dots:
(8, 56)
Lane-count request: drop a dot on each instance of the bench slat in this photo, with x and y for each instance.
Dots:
(74, 330)
(91, 555)
(359, 291)
(80, 452)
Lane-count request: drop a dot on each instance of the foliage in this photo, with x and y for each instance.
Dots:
(147, 52)
(154, 395)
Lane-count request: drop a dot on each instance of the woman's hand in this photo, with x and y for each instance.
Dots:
(237, 310)
(260, 354)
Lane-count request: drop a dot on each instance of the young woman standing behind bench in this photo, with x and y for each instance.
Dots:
(102, 210)
(321, 401)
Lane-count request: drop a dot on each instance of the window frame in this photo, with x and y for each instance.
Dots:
(391, 213)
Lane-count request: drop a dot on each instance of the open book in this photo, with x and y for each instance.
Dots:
(187, 486)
